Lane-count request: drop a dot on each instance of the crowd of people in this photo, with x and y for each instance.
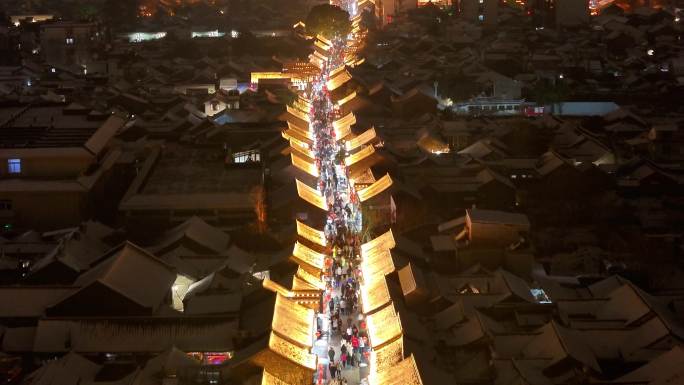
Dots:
(341, 305)
(342, 229)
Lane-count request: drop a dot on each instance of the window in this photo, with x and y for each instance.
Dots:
(70, 40)
(247, 156)
(481, 17)
(5, 205)
(14, 166)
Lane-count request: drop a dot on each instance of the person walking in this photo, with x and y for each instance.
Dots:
(343, 349)
(343, 359)
(331, 354)
(362, 346)
(333, 370)
(355, 344)
(343, 305)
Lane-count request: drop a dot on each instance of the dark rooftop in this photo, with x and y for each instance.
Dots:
(183, 170)
(47, 126)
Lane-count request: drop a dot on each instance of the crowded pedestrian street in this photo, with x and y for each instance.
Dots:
(341, 337)
(356, 332)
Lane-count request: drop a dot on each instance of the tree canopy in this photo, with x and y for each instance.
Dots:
(328, 20)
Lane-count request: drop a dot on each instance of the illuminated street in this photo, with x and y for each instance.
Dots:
(342, 230)
(341, 192)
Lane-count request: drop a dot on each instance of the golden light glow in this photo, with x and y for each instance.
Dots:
(387, 356)
(319, 44)
(311, 234)
(347, 120)
(291, 351)
(374, 294)
(404, 372)
(367, 136)
(383, 326)
(303, 103)
(309, 256)
(301, 146)
(342, 132)
(384, 241)
(299, 107)
(276, 288)
(290, 133)
(337, 81)
(269, 379)
(299, 114)
(293, 321)
(301, 163)
(376, 265)
(299, 284)
(346, 99)
(336, 71)
(376, 188)
(358, 62)
(311, 195)
(359, 155)
(320, 56)
(311, 278)
(324, 40)
(256, 76)
(304, 131)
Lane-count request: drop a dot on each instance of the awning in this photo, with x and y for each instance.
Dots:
(309, 256)
(383, 326)
(301, 163)
(384, 241)
(376, 265)
(345, 121)
(360, 155)
(404, 372)
(387, 356)
(301, 146)
(292, 352)
(311, 234)
(376, 188)
(338, 80)
(346, 99)
(296, 134)
(360, 140)
(374, 294)
(311, 195)
(269, 379)
(311, 278)
(293, 321)
(298, 113)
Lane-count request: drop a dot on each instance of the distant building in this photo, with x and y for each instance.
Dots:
(571, 12)
(388, 10)
(560, 13)
(69, 44)
(178, 182)
(221, 101)
(489, 227)
(484, 12)
(33, 18)
(51, 160)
